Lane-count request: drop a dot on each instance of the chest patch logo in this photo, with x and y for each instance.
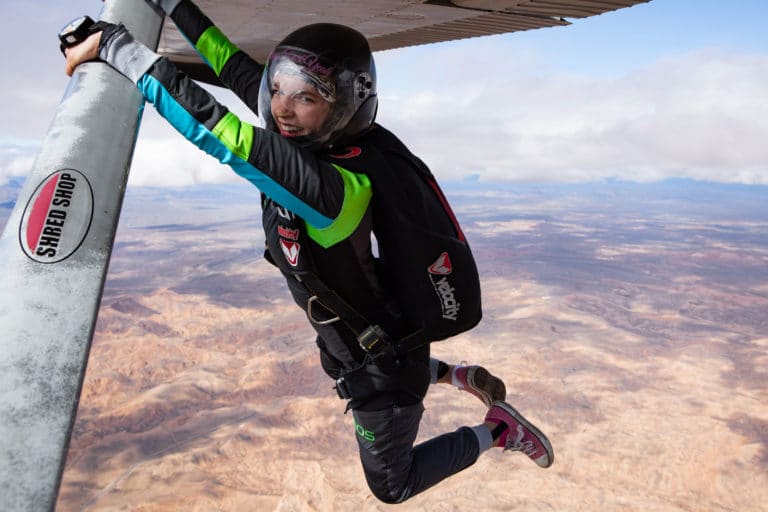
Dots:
(290, 251)
(290, 234)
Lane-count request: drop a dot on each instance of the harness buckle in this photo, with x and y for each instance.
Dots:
(312, 319)
(373, 339)
(378, 345)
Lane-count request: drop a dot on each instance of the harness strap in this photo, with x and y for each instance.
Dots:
(331, 301)
(371, 337)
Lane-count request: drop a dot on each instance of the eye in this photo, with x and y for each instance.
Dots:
(305, 98)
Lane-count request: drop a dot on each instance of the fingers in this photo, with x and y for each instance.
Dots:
(85, 51)
(69, 64)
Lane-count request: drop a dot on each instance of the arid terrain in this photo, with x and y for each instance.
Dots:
(630, 323)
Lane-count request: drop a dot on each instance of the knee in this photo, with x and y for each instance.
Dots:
(388, 495)
(387, 490)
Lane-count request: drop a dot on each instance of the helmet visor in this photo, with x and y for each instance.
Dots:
(289, 64)
(291, 71)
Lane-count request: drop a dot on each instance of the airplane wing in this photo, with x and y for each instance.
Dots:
(258, 25)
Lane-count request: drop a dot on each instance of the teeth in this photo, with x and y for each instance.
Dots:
(289, 129)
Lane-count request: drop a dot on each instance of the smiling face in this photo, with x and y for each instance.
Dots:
(297, 107)
(312, 96)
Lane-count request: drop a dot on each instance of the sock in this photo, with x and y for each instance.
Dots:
(484, 437)
(442, 369)
(454, 380)
(434, 366)
(498, 430)
(437, 369)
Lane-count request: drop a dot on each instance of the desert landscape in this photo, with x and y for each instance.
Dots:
(630, 323)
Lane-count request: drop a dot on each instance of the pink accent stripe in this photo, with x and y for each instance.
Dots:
(40, 213)
(446, 207)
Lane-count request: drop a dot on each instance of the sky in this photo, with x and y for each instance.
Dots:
(667, 89)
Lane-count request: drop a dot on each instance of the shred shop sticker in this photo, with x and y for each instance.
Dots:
(57, 217)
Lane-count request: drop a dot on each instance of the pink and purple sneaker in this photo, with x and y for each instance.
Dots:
(479, 382)
(513, 432)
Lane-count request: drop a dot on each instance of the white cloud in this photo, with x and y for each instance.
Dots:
(16, 158)
(172, 161)
(702, 115)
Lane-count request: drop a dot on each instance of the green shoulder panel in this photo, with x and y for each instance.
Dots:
(357, 196)
(215, 48)
(235, 135)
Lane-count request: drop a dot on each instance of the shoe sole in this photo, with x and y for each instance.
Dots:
(535, 431)
(490, 388)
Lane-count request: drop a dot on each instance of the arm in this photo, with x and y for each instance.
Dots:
(330, 199)
(236, 69)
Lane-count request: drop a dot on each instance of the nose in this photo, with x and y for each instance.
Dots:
(282, 105)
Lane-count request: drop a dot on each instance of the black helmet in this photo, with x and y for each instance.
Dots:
(337, 61)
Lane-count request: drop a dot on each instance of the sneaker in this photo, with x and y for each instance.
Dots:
(515, 433)
(479, 381)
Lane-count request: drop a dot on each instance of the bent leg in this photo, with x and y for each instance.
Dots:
(396, 470)
(475, 380)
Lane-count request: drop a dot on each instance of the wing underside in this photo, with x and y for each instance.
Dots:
(256, 26)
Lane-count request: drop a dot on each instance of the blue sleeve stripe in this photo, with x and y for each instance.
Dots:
(194, 131)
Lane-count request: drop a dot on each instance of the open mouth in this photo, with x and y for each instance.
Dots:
(288, 130)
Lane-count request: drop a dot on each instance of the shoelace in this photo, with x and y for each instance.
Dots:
(518, 445)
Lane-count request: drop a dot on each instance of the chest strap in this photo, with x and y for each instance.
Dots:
(371, 337)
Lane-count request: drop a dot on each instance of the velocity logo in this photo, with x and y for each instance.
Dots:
(442, 267)
(57, 217)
